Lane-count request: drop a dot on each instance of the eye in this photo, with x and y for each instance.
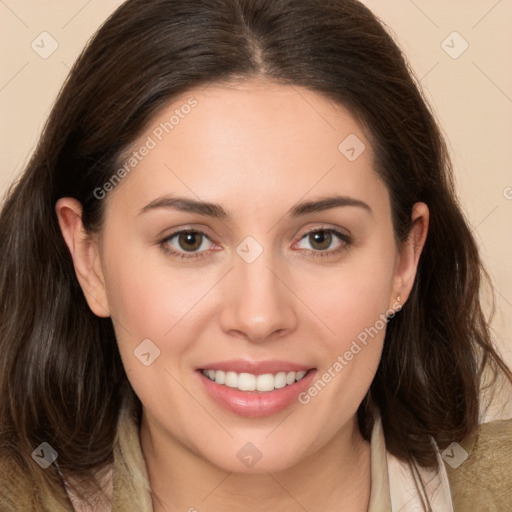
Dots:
(324, 241)
(187, 244)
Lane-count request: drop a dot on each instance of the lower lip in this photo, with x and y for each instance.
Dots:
(254, 404)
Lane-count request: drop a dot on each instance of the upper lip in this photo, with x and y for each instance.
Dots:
(255, 367)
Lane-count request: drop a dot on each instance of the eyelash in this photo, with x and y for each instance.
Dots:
(316, 254)
(344, 238)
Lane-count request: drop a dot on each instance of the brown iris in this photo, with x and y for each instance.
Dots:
(320, 240)
(190, 241)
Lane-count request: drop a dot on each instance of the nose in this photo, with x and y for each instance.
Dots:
(257, 304)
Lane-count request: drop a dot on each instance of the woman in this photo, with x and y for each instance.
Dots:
(234, 275)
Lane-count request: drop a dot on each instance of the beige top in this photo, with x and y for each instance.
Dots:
(480, 483)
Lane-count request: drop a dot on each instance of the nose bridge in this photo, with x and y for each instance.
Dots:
(257, 303)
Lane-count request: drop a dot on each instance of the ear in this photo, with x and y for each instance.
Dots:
(84, 251)
(409, 254)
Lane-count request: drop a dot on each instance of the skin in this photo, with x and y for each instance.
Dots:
(256, 149)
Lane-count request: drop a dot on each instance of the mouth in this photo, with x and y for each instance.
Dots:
(255, 389)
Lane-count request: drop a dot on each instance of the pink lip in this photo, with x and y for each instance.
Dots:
(254, 404)
(255, 367)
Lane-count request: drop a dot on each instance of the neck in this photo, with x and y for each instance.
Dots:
(335, 477)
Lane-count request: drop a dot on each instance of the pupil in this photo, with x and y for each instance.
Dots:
(190, 241)
(320, 240)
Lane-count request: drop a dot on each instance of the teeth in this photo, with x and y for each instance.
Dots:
(231, 380)
(280, 380)
(246, 382)
(249, 382)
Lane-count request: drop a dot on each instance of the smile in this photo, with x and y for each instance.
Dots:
(269, 389)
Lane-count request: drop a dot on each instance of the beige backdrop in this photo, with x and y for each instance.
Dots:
(460, 51)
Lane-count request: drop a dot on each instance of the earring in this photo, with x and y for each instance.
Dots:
(399, 298)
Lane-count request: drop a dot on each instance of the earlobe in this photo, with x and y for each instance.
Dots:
(84, 252)
(410, 252)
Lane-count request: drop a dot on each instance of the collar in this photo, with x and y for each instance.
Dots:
(399, 486)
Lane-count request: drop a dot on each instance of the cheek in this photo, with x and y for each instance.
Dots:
(147, 296)
(352, 296)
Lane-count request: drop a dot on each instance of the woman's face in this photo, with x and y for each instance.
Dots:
(286, 262)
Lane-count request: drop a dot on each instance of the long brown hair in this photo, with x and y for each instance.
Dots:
(61, 377)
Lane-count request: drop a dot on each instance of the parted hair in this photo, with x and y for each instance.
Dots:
(61, 376)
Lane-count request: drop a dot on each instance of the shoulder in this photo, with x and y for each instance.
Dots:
(16, 491)
(483, 480)
(19, 491)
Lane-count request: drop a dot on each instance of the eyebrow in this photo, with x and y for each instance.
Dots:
(216, 211)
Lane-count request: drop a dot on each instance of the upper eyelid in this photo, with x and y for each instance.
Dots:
(186, 229)
(325, 228)
(181, 231)
(344, 238)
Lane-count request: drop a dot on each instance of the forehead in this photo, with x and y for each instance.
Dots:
(249, 144)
